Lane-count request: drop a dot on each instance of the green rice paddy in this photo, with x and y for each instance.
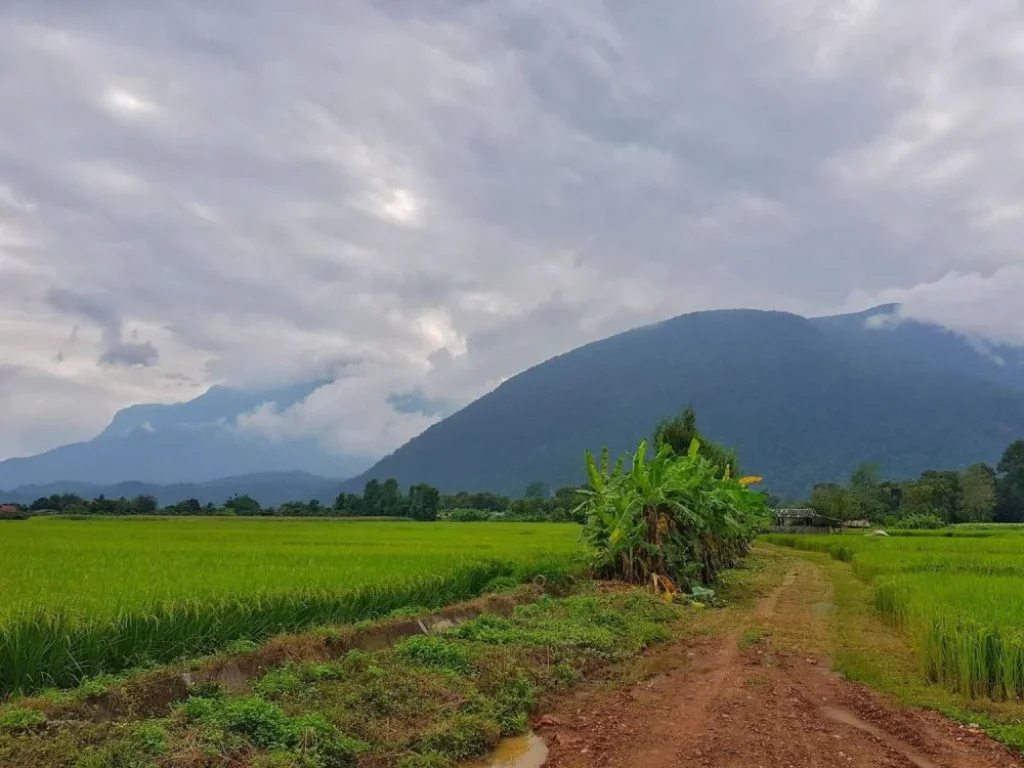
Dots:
(82, 598)
(959, 593)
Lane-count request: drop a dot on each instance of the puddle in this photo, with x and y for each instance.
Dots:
(823, 608)
(526, 751)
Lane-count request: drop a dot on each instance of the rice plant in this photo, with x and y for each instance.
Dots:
(83, 598)
(958, 598)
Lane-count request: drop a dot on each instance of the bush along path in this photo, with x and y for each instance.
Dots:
(428, 701)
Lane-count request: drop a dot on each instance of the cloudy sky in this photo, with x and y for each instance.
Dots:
(427, 196)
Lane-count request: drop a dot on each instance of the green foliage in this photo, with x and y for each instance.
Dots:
(833, 501)
(955, 592)
(461, 737)
(434, 651)
(675, 516)
(978, 494)
(424, 502)
(427, 701)
(975, 495)
(18, 719)
(501, 584)
(922, 521)
(1010, 484)
(265, 725)
(680, 432)
(467, 515)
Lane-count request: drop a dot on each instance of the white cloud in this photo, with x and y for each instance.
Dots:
(431, 197)
(976, 305)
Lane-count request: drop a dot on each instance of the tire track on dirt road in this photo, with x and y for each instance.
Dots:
(713, 704)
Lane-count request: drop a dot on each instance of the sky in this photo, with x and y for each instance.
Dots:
(422, 198)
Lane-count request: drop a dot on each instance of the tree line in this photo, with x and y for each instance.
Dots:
(981, 493)
(386, 499)
(378, 499)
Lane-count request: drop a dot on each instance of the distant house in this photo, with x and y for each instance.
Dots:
(10, 512)
(794, 519)
(856, 523)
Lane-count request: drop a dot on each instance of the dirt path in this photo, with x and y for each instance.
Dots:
(715, 704)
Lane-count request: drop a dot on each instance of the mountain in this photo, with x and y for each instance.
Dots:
(802, 400)
(269, 488)
(191, 442)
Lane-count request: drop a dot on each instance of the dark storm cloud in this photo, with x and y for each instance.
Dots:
(99, 310)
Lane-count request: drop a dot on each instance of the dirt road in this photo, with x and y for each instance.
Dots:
(713, 703)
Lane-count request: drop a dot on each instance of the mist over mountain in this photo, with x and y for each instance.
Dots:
(192, 442)
(802, 400)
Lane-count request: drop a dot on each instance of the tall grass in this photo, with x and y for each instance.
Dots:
(959, 597)
(85, 598)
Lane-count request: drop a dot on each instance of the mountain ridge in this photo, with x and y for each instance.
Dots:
(803, 400)
(812, 381)
(195, 441)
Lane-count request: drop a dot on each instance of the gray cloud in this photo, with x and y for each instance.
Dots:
(117, 351)
(127, 353)
(432, 196)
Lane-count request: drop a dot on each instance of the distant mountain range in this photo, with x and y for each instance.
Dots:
(269, 488)
(803, 400)
(194, 442)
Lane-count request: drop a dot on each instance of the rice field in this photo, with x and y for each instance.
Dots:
(84, 598)
(959, 594)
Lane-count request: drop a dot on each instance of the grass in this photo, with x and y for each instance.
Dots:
(865, 649)
(85, 598)
(955, 593)
(430, 701)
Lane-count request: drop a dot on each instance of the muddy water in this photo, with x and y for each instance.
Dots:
(527, 751)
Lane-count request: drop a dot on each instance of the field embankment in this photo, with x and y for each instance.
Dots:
(426, 701)
(86, 598)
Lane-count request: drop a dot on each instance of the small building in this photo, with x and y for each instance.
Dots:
(856, 523)
(785, 518)
(10, 512)
(801, 521)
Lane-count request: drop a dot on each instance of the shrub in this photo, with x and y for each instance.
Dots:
(461, 737)
(21, 719)
(921, 521)
(433, 651)
(468, 515)
(675, 517)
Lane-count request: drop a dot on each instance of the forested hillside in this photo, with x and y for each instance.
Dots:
(802, 400)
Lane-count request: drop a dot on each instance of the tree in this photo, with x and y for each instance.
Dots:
(536, 490)
(371, 498)
(186, 507)
(143, 505)
(389, 500)
(679, 432)
(834, 501)
(59, 502)
(243, 505)
(978, 494)
(870, 499)
(866, 475)
(1010, 484)
(348, 504)
(934, 493)
(424, 502)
